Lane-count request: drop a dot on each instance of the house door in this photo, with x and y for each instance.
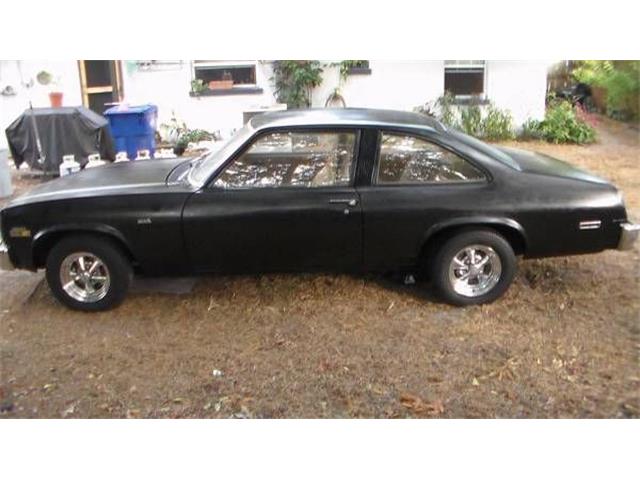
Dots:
(101, 82)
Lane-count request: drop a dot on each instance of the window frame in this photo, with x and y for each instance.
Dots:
(210, 184)
(488, 178)
(468, 65)
(222, 64)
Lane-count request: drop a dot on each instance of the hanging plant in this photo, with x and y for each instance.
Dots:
(347, 67)
(295, 81)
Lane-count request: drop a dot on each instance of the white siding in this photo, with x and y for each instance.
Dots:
(393, 85)
(518, 86)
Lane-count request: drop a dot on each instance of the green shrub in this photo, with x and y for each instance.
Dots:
(488, 122)
(193, 136)
(531, 130)
(620, 79)
(561, 124)
(497, 124)
(471, 120)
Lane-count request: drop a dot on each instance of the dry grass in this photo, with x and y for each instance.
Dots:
(564, 342)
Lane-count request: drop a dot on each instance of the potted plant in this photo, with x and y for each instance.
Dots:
(198, 86)
(55, 95)
(354, 67)
(224, 84)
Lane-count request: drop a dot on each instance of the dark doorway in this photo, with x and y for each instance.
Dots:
(101, 83)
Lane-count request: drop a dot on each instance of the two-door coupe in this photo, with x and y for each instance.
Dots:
(347, 190)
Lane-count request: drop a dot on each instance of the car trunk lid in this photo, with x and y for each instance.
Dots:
(539, 163)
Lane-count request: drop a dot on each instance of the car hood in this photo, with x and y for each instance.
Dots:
(539, 163)
(110, 179)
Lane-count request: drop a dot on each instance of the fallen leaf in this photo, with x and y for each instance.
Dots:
(69, 411)
(417, 405)
(133, 413)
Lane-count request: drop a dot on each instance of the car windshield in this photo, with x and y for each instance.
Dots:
(205, 166)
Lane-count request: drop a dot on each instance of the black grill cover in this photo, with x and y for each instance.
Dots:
(63, 131)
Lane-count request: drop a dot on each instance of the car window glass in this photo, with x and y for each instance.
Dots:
(293, 159)
(405, 159)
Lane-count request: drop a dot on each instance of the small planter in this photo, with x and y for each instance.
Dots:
(55, 98)
(359, 71)
(220, 84)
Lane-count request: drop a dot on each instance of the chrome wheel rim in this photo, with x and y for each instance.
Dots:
(475, 270)
(84, 277)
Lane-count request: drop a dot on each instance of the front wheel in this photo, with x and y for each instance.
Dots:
(88, 273)
(474, 267)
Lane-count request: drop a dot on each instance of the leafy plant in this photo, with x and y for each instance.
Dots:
(531, 130)
(497, 124)
(471, 120)
(561, 124)
(620, 79)
(188, 136)
(295, 80)
(44, 78)
(198, 86)
(443, 109)
(488, 122)
(347, 65)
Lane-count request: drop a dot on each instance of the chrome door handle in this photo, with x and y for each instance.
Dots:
(352, 202)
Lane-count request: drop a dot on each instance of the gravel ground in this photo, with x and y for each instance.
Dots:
(563, 342)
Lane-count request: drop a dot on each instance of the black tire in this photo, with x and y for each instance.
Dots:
(118, 267)
(440, 266)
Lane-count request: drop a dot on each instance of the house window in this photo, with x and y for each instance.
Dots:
(233, 74)
(464, 78)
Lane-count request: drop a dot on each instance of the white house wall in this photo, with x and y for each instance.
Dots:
(395, 85)
(518, 86)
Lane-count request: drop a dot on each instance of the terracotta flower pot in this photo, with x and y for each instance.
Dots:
(220, 84)
(55, 98)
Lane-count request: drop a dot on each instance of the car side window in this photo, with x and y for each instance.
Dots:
(406, 159)
(293, 159)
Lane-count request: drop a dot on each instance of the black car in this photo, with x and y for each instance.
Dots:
(348, 190)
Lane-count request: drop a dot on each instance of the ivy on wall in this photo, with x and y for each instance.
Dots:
(295, 80)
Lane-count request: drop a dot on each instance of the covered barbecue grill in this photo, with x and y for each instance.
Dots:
(61, 131)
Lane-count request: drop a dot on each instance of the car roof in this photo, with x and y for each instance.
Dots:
(344, 116)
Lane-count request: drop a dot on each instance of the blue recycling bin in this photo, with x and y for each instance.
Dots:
(133, 128)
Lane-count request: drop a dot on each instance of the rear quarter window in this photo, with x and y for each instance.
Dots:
(406, 159)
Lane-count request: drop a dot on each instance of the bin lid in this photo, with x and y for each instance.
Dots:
(130, 109)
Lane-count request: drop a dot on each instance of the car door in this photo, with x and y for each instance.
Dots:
(415, 183)
(286, 202)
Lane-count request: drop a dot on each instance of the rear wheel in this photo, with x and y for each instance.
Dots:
(473, 267)
(88, 273)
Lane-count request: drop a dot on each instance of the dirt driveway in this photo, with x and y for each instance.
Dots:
(564, 342)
